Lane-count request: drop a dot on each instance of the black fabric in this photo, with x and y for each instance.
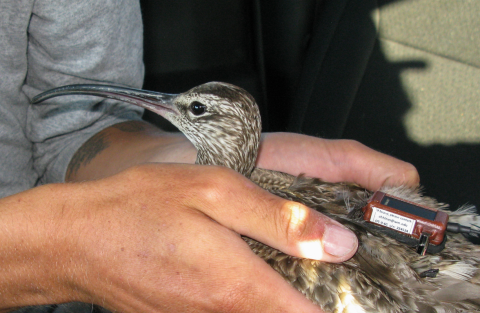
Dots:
(286, 28)
(333, 68)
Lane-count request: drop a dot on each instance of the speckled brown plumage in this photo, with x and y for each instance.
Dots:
(384, 275)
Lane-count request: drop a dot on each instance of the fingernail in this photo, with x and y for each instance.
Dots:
(339, 241)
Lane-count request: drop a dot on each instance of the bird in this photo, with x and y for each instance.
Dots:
(223, 123)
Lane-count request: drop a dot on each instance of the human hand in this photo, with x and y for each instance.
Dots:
(334, 161)
(164, 238)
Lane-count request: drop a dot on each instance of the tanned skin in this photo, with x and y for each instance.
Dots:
(134, 232)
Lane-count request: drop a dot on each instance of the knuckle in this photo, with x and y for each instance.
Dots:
(293, 221)
(215, 185)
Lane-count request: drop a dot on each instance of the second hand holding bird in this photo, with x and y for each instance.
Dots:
(334, 161)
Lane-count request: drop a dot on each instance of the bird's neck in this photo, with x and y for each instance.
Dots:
(240, 158)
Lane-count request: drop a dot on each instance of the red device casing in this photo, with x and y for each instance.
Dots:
(406, 217)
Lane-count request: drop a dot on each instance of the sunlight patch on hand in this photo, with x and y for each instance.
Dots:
(311, 249)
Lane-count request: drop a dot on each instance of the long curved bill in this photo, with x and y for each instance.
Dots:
(160, 103)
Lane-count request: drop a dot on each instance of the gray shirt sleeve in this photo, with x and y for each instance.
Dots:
(53, 43)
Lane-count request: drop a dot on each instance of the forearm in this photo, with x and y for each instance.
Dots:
(124, 145)
(32, 252)
(127, 144)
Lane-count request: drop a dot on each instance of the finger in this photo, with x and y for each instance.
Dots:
(373, 169)
(235, 202)
(333, 160)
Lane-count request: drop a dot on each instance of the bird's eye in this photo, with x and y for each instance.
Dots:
(197, 108)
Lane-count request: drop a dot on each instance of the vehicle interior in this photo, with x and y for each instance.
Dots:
(402, 77)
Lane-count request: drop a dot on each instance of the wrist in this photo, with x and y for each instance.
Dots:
(36, 264)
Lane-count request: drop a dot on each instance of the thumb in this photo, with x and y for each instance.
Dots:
(282, 224)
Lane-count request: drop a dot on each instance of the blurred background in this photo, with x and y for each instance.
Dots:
(402, 77)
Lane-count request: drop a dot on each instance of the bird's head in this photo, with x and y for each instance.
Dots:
(221, 120)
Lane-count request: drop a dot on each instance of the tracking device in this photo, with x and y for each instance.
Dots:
(416, 225)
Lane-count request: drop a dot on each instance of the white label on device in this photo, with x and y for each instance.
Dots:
(392, 220)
